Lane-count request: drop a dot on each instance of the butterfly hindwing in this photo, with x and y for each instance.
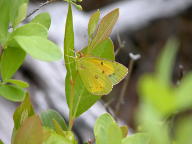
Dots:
(95, 81)
(114, 70)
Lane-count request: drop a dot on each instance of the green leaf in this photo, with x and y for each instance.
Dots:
(183, 95)
(160, 96)
(22, 12)
(42, 18)
(31, 29)
(183, 131)
(31, 132)
(139, 138)
(93, 22)
(12, 93)
(39, 48)
(11, 59)
(16, 9)
(104, 29)
(19, 83)
(107, 131)
(69, 53)
(24, 111)
(82, 100)
(48, 116)
(4, 19)
(151, 121)
(54, 138)
(166, 61)
(1, 142)
(104, 49)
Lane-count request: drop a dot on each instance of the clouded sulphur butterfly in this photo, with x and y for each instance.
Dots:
(99, 75)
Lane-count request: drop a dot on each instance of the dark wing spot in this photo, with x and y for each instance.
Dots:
(101, 63)
(103, 72)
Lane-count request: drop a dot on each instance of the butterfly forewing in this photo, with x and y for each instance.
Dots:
(95, 81)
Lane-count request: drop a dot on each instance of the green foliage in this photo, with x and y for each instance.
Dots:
(11, 59)
(107, 131)
(12, 93)
(48, 116)
(1, 142)
(138, 138)
(19, 83)
(43, 19)
(24, 111)
(39, 47)
(30, 132)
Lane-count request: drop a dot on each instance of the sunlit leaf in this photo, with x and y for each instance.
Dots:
(12, 93)
(22, 112)
(22, 12)
(31, 132)
(16, 11)
(1, 142)
(39, 48)
(104, 49)
(93, 22)
(4, 19)
(104, 29)
(42, 18)
(48, 116)
(107, 131)
(138, 138)
(11, 59)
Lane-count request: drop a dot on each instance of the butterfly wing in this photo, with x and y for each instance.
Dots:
(114, 70)
(95, 81)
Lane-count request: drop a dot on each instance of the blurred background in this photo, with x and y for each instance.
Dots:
(143, 28)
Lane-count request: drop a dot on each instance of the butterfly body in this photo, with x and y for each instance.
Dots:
(99, 75)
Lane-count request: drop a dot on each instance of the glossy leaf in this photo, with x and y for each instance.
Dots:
(24, 111)
(19, 83)
(39, 48)
(42, 18)
(107, 131)
(31, 132)
(12, 93)
(11, 59)
(93, 22)
(104, 29)
(138, 138)
(22, 12)
(48, 116)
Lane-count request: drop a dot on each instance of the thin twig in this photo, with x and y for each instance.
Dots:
(120, 43)
(41, 5)
(126, 82)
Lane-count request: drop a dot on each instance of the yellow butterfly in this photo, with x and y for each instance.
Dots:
(99, 75)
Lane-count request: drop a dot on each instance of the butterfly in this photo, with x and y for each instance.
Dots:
(100, 75)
